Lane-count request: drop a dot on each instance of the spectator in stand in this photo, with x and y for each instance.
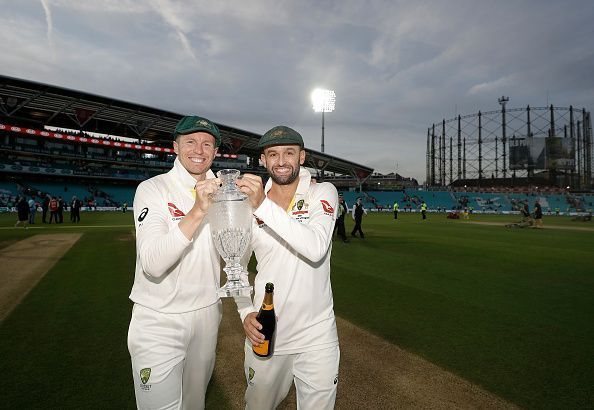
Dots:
(32, 210)
(23, 212)
(44, 208)
(53, 208)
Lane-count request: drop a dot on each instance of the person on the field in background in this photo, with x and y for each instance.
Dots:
(53, 208)
(340, 214)
(424, 210)
(538, 215)
(292, 242)
(75, 206)
(395, 208)
(525, 211)
(61, 205)
(22, 207)
(45, 208)
(32, 210)
(172, 336)
(357, 213)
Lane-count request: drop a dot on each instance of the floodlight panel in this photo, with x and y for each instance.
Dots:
(323, 100)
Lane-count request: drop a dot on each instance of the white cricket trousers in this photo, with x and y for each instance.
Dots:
(173, 355)
(315, 375)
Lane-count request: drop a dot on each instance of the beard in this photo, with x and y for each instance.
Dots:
(285, 180)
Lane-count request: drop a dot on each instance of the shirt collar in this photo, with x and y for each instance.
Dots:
(184, 178)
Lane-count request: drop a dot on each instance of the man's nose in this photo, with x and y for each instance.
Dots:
(198, 148)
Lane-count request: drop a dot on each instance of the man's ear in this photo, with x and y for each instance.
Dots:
(301, 157)
(176, 147)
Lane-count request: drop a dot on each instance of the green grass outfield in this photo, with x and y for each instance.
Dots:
(509, 309)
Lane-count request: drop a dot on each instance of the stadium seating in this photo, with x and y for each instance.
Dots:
(65, 190)
(118, 194)
(479, 201)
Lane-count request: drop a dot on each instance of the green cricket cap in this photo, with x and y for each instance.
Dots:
(193, 123)
(280, 135)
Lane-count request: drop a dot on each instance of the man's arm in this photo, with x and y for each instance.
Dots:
(158, 247)
(310, 240)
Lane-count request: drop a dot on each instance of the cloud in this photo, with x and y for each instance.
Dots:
(396, 66)
(50, 28)
(169, 13)
(491, 86)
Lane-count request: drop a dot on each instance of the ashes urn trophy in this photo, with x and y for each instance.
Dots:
(230, 218)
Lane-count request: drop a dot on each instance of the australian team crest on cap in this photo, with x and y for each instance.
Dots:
(203, 123)
(280, 135)
(193, 123)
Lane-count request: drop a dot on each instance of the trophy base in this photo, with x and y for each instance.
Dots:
(232, 289)
(237, 283)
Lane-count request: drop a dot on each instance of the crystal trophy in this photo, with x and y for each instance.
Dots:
(230, 217)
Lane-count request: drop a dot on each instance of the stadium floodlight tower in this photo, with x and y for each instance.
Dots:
(323, 101)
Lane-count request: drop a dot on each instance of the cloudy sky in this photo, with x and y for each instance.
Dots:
(396, 66)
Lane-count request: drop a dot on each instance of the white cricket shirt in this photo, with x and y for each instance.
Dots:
(293, 250)
(173, 274)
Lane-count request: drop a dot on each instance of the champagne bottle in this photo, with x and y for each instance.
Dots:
(267, 319)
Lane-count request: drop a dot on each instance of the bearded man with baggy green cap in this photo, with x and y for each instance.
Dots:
(292, 241)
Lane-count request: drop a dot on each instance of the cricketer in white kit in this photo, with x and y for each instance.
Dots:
(175, 319)
(292, 244)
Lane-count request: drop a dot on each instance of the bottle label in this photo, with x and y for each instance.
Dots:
(263, 349)
(267, 307)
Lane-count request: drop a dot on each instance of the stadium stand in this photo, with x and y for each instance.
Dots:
(490, 202)
(69, 137)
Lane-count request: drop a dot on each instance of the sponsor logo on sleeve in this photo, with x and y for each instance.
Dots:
(175, 211)
(142, 214)
(328, 209)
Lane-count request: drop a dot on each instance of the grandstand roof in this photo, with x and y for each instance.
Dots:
(25, 102)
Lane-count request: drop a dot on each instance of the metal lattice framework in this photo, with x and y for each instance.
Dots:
(477, 146)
